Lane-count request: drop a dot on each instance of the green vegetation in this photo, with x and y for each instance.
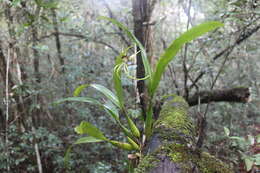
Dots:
(117, 100)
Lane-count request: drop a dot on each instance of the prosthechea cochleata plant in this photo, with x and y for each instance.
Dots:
(115, 106)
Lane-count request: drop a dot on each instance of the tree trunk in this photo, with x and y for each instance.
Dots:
(172, 145)
(59, 51)
(142, 11)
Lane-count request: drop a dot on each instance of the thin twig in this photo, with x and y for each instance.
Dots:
(174, 81)
(184, 62)
(245, 34)
(111, 15)
(37, 152)
(220, 70)
(81, 36)
(7, 107)
(204, 116)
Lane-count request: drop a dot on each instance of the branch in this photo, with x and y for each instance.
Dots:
(184, 62)
(57, 39)
(245, 34)
(81, 36)
(3, 66)
(108, 45)
(240, 95)
(111, 15)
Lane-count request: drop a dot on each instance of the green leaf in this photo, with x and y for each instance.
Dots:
(251, 140)
(15, 3)
(67, 157)
(249, 163)
(133, 143)
(227, 131)
(115, 115)
(135, 131)
(174, 48)
(238, 139)
(108, 107)
(89, 129)
(127, 132)
(258, 138)
(122, 145)
(87, 139)
(109, 94)
(147, 67)
(111, 110)
(257, 159)
(79, 99)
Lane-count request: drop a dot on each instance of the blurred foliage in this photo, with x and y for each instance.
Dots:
(21, 152)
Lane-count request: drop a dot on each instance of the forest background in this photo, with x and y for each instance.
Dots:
(48, 48)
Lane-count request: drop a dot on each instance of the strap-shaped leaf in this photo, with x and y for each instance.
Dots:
(110, 108)
(89, 129)
(79, 99)
(67, 156)
(87, 139)
(176, 45)
(122, 145)
(133, 143)
(109, 94)
(135, 131)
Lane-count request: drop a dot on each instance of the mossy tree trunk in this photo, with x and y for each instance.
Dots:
(171, 148)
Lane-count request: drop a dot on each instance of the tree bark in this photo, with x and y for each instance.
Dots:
(142, 11)
(59, 52)
(240, 95)
(57, 40)
(3, 67)
(235, 95)
(172, 147)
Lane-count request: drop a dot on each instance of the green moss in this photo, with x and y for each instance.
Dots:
(204, 162)
(177, 153)
(176, 132)
(187, 159)
(146, 164)
(207, 163)
(173, 122)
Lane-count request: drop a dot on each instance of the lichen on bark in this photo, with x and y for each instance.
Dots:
(170, 149)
